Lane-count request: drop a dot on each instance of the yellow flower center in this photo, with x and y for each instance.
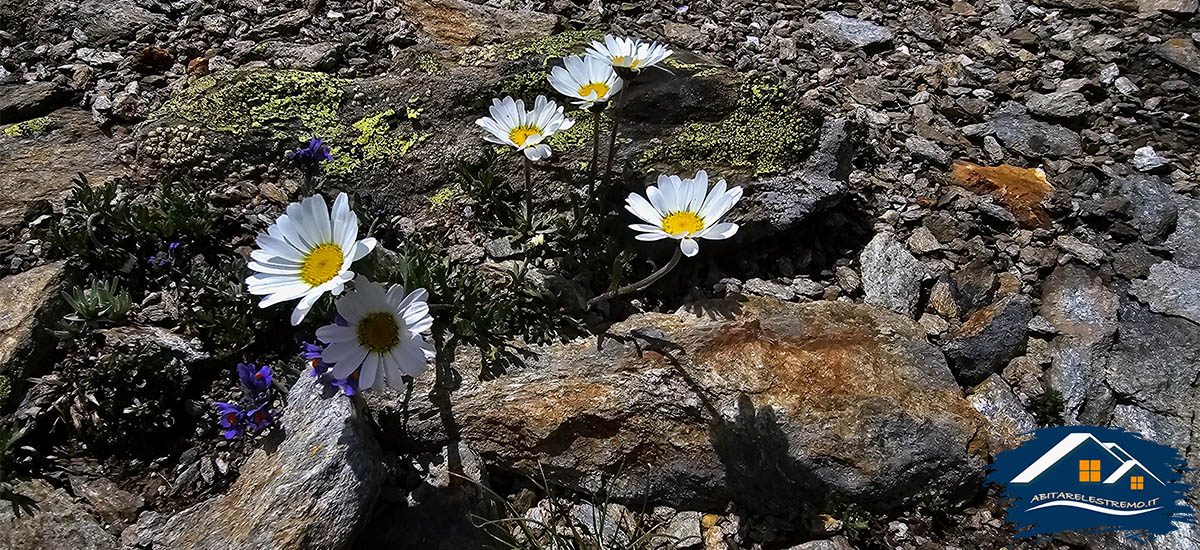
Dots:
(682, 222)
(378, 332)
(322, 264)
(599, 88)
(519, 134)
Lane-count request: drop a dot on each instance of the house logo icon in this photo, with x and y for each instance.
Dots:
(1076, 478)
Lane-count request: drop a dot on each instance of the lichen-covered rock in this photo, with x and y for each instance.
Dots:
(762, 402)
(781, 202)
(1155, 209)
(311, 491)
(41, 160)
(1007, 418)
(58, 523)
(27, 305)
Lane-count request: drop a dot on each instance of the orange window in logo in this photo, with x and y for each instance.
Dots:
(1135, 482)
(1089, 471)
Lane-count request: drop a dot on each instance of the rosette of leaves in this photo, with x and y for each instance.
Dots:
(127, 397)
(100, 303)
(10, 435)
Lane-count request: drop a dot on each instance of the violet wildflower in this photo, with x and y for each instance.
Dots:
(233, 419)
(324, 371)
(309, 157)
(260, 417)
(255, 381)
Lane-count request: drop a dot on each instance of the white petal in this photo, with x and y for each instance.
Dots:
(366, 377)
(354, 359)
(689, 247)
(719, 231)
(640, 207)
(335, 333)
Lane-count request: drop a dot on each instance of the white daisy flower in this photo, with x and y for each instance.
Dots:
(307, 253)
(510, 124)
(591, 80)
(685, 210)
(628, 53)
(382, 335)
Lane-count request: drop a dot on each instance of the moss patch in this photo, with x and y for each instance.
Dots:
(767, 131)
(695, 70)
(288, 104)
(428, 64)
(378, 139)
(525, 86)
(30, 127)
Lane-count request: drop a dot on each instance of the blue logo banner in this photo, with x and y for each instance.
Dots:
(1075, 478)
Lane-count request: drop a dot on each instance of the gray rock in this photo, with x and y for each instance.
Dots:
(891, 276)
(25, 101)
(1172, 290)
(1155, 205)
(1184, 242)
(995, 400)
(988, 339)
(848, 32)
(41, 167)
(1145, 159)
(1182, 52)
(1177, 6)
(922, 241)
(807, 399)
(188, 350)
(29, 303)
(1076, 303)
(835, 543)
(923, 148)
(780, 202)
(314, 490)
(1033, 138)
(1059, 104)
(59, 523)
(1085, 252)
(460, 22)
(114, 505)
(1152, 355)
(321, 56)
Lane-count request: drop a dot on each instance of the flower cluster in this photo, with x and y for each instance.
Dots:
(376, 339)
(254, 411)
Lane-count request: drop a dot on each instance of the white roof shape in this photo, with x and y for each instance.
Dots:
(1057, 452)
(1124, 469)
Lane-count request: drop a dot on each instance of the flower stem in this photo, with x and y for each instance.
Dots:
(595, 154)
(529, 193)
(612, 138)
(642, 284)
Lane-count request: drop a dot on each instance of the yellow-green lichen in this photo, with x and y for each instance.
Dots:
(545, 47)
(767, 131)
(526, 86)
(695, 70)
(288, 104)
(5, 389)
(580, 135)
(377, 139)
(428, 64)
(444, 195)
(30, 127)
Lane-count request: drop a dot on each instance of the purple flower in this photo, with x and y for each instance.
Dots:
(323, 370)
(260, 417)
(310, 156)
(255, 381)
(233, 419)
(173, 246)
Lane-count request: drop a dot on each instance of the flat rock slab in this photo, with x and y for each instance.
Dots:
(1172, 290)
(766, 403)
(59, 523)
(313, 491)
(40, 166)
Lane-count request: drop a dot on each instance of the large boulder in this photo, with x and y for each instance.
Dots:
(312, 490)
(27, 306)
(762, 402)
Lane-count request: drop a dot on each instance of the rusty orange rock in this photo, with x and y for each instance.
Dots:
(1020, 190)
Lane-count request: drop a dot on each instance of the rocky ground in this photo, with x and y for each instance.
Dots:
(962, 221)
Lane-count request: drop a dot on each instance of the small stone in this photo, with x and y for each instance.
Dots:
(1020, 190)
(1034, 138)
(1059, 104)
(849, 32)
(922, 241)
(1125, 86)
(1182, 52)
(1086, 253)
(988, 339)
(923, 148)
(1145, 159)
